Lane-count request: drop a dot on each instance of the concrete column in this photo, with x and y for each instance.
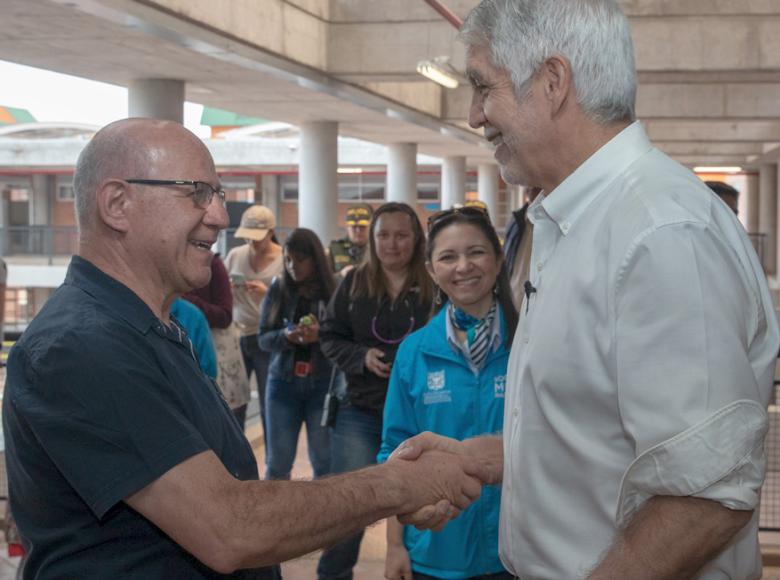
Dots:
(269, 193)
(487, 188)
(752, 203)
(767, 218)
(318, 179)
(41, 200)
(402, 173)
(453, 181)
(156, 99)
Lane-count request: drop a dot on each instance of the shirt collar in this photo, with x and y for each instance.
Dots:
(594, 176)
(109, 291)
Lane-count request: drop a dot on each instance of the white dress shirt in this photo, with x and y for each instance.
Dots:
(643, 366)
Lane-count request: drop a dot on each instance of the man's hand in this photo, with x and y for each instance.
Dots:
(442, 483)
(488, 449)
(374, 363)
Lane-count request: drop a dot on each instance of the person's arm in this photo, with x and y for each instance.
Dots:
(229, 524)
(336, 334)
(272, 337)
(398, 566)
(203, 343)
(689, 400)
(670, 537)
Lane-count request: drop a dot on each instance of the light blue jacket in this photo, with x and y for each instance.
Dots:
(432, 388)
(197, 327)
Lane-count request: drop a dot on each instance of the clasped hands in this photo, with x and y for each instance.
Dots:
(452, 475)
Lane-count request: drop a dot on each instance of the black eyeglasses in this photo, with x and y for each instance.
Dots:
(471, 211)
(202, 194)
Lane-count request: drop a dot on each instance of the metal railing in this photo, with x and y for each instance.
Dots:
(46, 241)
(58, 241)
(769, 517)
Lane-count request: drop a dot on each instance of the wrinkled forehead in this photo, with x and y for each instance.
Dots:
(480, 68)
(180, 155)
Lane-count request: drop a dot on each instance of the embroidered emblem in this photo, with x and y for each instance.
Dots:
(436, 380)
(436, 393)
(499, 386)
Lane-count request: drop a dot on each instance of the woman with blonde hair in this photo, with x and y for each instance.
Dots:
(375, 307)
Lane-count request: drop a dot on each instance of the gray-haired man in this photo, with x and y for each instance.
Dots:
(642, 364)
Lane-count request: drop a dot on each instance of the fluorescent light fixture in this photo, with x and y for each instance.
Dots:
(349, 170)
(716, 169)
(438, 70)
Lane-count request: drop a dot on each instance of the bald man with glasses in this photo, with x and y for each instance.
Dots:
(123, 459)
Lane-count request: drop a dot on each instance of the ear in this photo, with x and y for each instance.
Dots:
(429, 267)
(113, 204)
(557, 82)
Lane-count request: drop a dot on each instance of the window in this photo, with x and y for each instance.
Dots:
(65, 192)
(239, 188)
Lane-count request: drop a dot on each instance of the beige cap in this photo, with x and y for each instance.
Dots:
(255, 223)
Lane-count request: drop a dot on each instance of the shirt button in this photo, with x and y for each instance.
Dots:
(539, 266)
(526, 339)
(515, 413)
(565, 227)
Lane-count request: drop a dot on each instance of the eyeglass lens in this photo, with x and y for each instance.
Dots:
(204, 193)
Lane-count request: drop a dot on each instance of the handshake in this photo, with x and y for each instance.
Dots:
(441, 476)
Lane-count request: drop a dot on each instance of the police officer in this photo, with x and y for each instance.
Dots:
(346, 253)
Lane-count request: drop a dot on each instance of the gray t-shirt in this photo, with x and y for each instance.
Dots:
(246, 308)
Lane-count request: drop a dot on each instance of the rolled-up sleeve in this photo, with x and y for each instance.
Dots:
(688, 320)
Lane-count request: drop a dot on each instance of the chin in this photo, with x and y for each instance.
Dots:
(513, 177)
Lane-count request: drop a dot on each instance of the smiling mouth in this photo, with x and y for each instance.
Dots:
(494, 137)
(466, 282)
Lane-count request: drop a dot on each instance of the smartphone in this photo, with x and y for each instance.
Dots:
(237, 278)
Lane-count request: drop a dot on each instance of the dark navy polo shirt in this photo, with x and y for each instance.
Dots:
(101, 400)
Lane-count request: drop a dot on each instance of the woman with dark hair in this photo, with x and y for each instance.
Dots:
(449, 378)
(299, 374)
(375, 307)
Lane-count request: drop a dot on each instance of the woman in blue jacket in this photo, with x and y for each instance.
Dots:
(449, 378)
(299, 374)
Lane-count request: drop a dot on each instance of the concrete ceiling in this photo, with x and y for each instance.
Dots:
(709, 70)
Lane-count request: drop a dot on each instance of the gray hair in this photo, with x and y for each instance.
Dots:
(112, 152)
(592, 34)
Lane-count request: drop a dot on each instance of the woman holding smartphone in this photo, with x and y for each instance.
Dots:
(375, 307)
(449, 378)
(251, 267)
(299, 374)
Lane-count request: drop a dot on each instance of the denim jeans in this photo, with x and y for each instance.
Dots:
(256, 360)
(288, 405)
(354, 443)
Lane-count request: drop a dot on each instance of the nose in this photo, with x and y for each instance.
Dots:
(463, 264)
(216, 215)
(476, 111)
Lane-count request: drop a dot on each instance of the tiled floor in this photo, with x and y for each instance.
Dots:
(371, 563)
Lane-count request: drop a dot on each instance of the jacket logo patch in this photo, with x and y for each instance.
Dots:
(499, 386)
(436, 393)
(436, 381)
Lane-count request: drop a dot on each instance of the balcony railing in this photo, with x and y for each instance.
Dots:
(46, 241)
(58, 241)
